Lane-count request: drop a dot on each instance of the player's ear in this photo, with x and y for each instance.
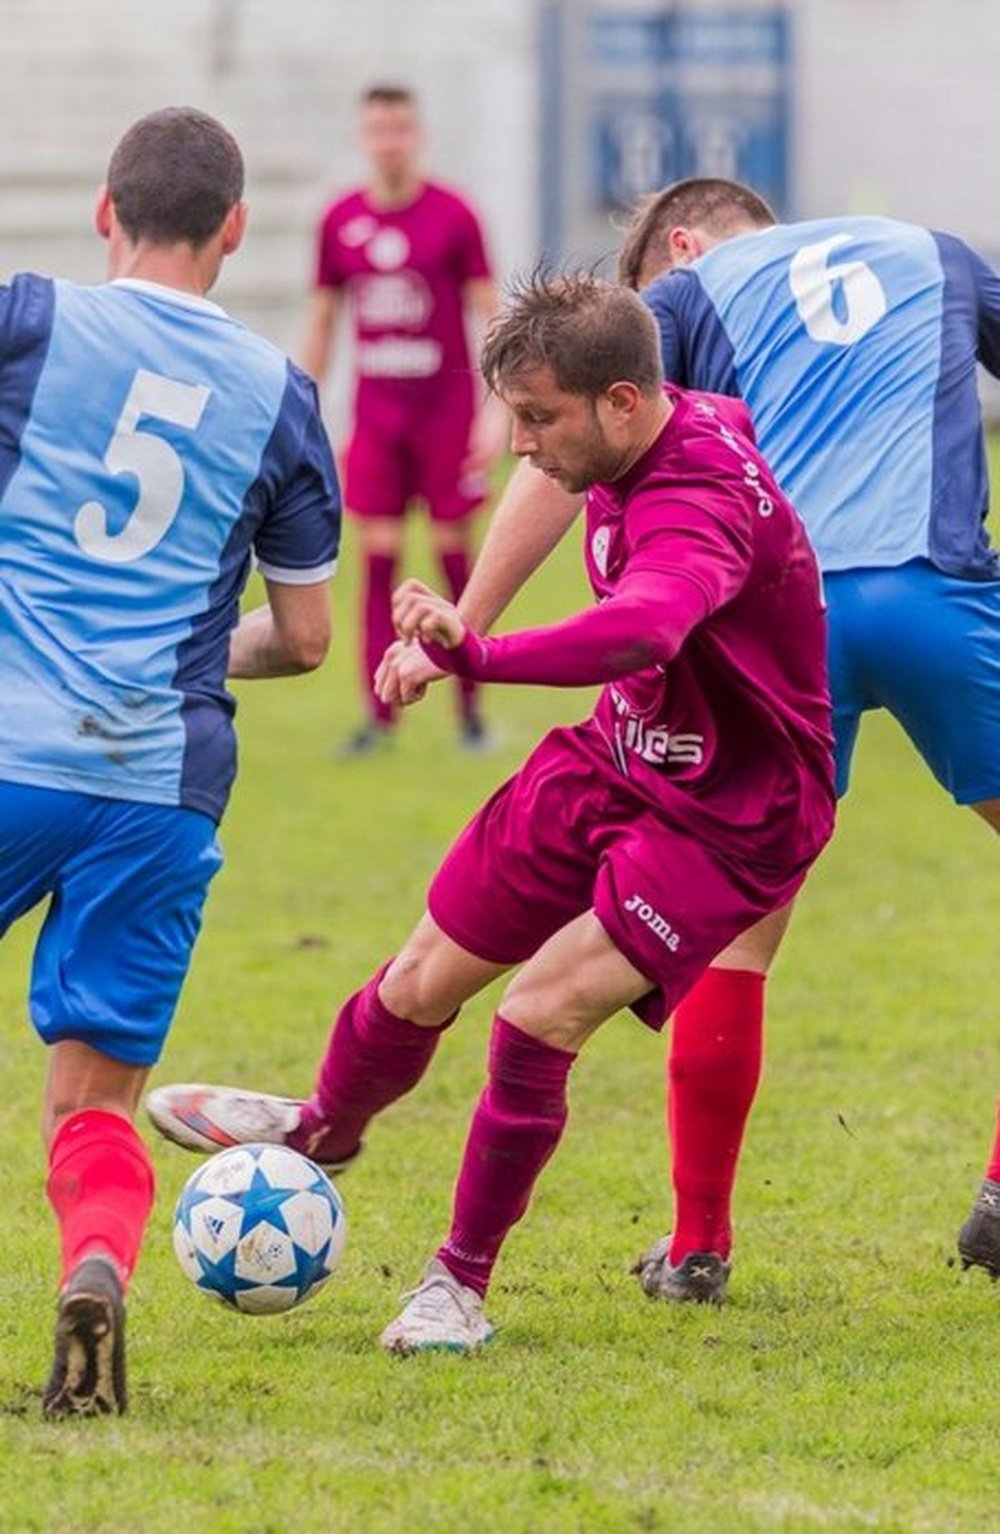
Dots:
(234, 227)
(683, 246)
(623, 397)
(103, 212)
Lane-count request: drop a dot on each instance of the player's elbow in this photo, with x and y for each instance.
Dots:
(310, 652)
(306, 649)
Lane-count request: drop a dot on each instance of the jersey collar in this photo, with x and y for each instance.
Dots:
(170, 295)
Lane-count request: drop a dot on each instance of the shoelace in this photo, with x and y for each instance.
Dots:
(429, 1300)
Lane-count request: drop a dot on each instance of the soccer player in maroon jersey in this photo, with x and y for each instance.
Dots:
(629, 849)
(407, 258)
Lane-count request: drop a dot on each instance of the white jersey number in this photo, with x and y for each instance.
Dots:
(153, 461)
(813, 277)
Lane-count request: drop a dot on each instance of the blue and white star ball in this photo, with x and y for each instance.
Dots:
(260, 1228)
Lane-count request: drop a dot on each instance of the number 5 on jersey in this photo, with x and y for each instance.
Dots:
(154, 462)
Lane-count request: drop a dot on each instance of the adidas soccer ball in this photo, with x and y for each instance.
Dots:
(259, 1227)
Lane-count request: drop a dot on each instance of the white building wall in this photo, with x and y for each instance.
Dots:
(892, 111)
(895, 112)
(284, 75)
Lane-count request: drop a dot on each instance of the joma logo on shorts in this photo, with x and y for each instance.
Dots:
(656, 923)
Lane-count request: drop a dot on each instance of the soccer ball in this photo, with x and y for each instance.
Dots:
(259, 1227)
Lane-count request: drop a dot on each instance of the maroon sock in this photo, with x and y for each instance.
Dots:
(455, 565)
(379, 574)
(993, 1170)
(713, 1071)
(372, 1058)
(100, 1186)
(516, 1126)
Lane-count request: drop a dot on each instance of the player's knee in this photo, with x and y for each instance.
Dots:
(549, 1013)
(408, 989)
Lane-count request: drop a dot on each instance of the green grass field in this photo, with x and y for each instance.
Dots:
(848, 1385)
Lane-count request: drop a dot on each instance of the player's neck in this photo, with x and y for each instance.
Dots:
(171, 266)
(647, 429)
(395, 191)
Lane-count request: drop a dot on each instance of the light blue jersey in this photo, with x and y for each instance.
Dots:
(149, 445)
(854, 342)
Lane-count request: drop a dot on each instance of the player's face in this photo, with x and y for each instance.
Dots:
(560, 433)
(390, 138)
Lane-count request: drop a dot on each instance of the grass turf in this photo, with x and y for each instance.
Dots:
(847, 1385)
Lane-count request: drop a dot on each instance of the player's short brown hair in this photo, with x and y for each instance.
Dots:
(723, 208)
(174, 177)
(388, 95)
(590, 333)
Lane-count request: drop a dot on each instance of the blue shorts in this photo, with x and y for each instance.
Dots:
(925, 646)
(127, 884)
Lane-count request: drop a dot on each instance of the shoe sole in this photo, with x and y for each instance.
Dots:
(402, 1349)
(89, 1363)
(984, 1257)
(691, 1295)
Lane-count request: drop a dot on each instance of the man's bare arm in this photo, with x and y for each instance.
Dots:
(531, 518)
(324, 312)
(288, 635)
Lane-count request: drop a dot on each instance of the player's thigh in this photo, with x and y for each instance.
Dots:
(116, 943)
(451, 491)
(988, 810)
(573, 984)
(755, 948)
(850, 693)
(671, 904)
(377, 473)
(525, 864)
(934, 645)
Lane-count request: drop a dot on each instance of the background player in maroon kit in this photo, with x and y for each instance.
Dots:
(629, 849)
(408, 258)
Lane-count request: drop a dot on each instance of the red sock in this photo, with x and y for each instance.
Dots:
(713, 1071)
(372, 1058)
(379, 573)
(516, 1126)
(101, 1188)
(993, 1170)
(455, 565)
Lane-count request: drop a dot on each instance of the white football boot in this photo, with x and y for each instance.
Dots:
(209, 1118)
(440, 1313)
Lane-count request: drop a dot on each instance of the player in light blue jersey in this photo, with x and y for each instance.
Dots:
(855, 343)
(150, 449)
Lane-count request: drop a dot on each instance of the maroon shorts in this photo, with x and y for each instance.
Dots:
(568, 834)
(406, 446)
